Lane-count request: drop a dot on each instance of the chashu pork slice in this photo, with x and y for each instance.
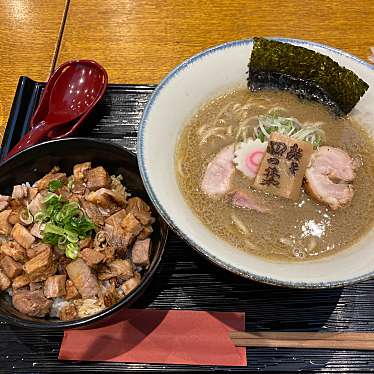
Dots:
(329, 177)
(218, 174)
(246, 200)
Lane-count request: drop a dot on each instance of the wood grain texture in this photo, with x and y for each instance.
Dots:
(318, 340)
(28, 36)
(140, 41)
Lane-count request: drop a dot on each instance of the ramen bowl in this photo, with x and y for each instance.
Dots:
(173, 103)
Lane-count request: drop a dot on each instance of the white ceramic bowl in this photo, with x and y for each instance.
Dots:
(175, 100)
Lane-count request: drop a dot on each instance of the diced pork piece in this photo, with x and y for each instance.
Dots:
(140, 210)
(65, 192)
(219, 172)
(68, 313)
(118, 238)
(19, 192)
(43, 183)
(131, 225)
(21, 281)
(11, 268)
(32, 303)
(109, 252)
(141, 252)
(36, 286)
(22, 236)
(107, 212)
(4, 281)
(97, 178)
(41, 266)
(116, 218)
(106, 198)
(4, 202)
(110, 296)
(80, 170)
(101, 240)
(36, 204)
(131, 284)
(31, 193)
(17, 208)
(116, 185)
(92, 212)
(147, 230)
(86, 242)
(5, 226)
(329, 176)
(63, 261)
(14, 217)
(83, 278)
(76, 199)
(36, 249)
(71, 290)
(117, 268)
(282, 169)
(54, 286)
(78, 187)
(247, 200)
(91, 256)
(14, 250)
(36, 230)
(122, 268)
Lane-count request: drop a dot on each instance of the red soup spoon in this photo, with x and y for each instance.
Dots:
(69, 96)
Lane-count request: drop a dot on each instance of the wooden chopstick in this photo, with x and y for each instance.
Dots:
(302, 335)
(326, 340)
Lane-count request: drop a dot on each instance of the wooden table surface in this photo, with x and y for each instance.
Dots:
(140, 41)
(28, 44)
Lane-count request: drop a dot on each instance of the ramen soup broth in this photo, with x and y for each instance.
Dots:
(291, 231)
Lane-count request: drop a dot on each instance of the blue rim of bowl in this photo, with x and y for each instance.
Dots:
(162, 210)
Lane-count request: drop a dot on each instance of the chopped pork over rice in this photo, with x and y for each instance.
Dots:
(72, 246)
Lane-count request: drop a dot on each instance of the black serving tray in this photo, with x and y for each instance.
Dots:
(185, 280)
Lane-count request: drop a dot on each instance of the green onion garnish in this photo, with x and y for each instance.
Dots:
(65, 224)
(70, 183)
(54, 185)
(72, 251)
(26, 217)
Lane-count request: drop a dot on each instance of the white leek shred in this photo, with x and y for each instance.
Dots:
(288, 126)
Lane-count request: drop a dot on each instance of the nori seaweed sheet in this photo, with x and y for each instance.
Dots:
(307, 73)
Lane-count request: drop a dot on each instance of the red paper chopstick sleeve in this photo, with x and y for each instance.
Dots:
(159, 336)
